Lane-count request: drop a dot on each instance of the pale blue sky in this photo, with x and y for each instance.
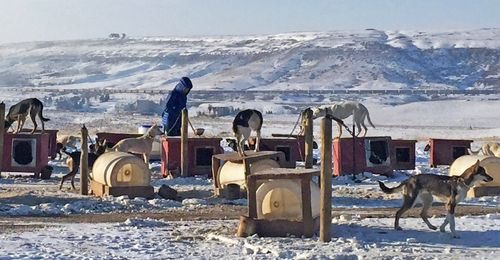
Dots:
(28, 20)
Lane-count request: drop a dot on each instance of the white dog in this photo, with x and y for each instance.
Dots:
(489, 148)
(142, 144)
(343, 110)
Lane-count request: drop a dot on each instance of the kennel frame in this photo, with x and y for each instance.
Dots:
(218, 161)
(441, 150)
(171, 154)
(282, 227)
(41, 153)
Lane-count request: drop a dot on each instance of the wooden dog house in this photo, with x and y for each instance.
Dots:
(282, 202)
(371, 154)
(445, 151)
(119, 173)
(403, 154)
(293, 148)
(24, 152)
(200, 150)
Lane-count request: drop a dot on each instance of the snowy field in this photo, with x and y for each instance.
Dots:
(354, 235)
(39, 221)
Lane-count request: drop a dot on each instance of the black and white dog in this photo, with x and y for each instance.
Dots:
(243, 124)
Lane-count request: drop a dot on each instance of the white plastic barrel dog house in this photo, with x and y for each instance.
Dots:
(491, 165)
(119, 173)
(282, 199)
(234, 173)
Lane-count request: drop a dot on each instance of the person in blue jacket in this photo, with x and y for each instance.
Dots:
(176, 101)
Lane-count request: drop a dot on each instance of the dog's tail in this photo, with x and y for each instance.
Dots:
(369, 120)
(41, 114)
(388, 190)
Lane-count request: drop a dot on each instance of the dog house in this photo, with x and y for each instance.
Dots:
(231, 170)
(200, 151)
(292, 148)
(281, 202)
(371, 154)
(118, 173)
(24, 152)
(445, 151)
(403, 154)
(52, 140)
(113, 138)
(491, 165)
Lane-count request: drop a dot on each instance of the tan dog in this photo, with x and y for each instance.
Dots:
(18, 112)
(141, 145)
(490, 149)
(448, 189)
(343, 110)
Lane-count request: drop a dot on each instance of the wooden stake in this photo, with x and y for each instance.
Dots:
(326, 181)
(84, 165)
(184, 144)
(308, 139)
(2, 133)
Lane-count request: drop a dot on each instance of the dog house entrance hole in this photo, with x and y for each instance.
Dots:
(23, 152)
(285, 150)
(403, 154)
(459, 151)
(377, 152)
(204, 156)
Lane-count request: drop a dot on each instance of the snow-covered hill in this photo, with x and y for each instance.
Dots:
(369, 59)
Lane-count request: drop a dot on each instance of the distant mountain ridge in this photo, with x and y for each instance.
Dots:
(369, 59)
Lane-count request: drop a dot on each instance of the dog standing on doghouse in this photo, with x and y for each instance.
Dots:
(18, 112)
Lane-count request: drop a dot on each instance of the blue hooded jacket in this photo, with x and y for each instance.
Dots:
(176, 101)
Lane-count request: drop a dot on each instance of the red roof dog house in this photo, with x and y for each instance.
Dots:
(200, 150)
(24, 152)
(445, 151)
(403, 154)
(293, 148)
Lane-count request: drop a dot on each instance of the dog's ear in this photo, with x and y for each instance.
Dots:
(472, 169)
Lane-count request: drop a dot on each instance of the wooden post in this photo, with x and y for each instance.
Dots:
(326, 181)
(84, 164)
(184, 144)
(2, 134)
(308, 139)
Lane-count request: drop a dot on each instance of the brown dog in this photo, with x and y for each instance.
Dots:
(449, 189)
(20, 111)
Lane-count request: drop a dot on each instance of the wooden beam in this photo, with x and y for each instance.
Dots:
(184, 144)
(326, 181)
(84, 163)
(308, 139)
(2, 133)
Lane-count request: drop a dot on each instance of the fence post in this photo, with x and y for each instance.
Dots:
(84, 165)
(308, 139)
(326, 181)
(184, 143)
(2, 133)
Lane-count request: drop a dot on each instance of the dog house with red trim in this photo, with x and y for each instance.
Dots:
(371, 154)
(200, 151)
(293, 148)
(52, 140)
(24, 152)
(445, 151)
(403, 154)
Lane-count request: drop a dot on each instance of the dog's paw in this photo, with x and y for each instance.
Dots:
(433, 227)
(398, 228)
(442, 229)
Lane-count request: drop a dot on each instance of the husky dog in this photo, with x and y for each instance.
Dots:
(449, 189)
(243, 124)
(73, 161)
(20, 111)
(343, 110)
(490, 149)
(142, 144)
